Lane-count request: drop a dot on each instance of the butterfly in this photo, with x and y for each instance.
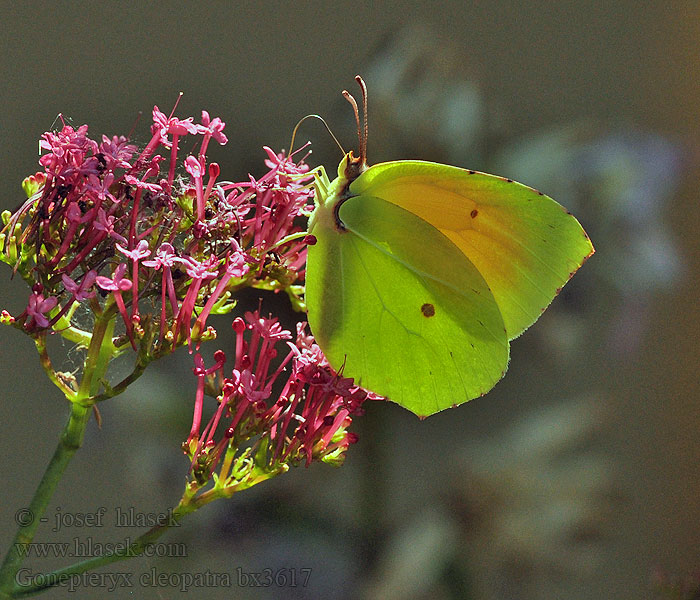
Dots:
(421, 274)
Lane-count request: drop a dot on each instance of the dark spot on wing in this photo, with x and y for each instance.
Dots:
(472, 172)
(428, 310)
(474, 213)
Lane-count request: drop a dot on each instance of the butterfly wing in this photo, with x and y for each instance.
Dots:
(524, 244)
(402, 309)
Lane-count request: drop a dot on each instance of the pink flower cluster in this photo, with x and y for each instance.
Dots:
(102, 218)
(160, 243)
(305, 419)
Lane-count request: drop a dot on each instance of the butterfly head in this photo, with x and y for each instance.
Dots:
(351, 167)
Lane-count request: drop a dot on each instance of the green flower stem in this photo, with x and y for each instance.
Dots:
(187, 505)
(137, 547)
(143, 359)
(40, 343)
(110, 392)
(100, 350)
(71, 439)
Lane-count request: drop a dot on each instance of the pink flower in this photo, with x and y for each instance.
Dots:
(37, 307)
(165, 258)
(154, 188)
(236, 267)
(116, 152)
(163, 126)
(118, 283)
(284, 164)
(105, 225)
(141, 251)
(268, 329)
(81, 291)
(101, 214)
(307, 421)
(213, 127)
(199, 270)
(193, 167)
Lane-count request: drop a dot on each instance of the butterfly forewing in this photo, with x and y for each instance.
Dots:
(524, 244)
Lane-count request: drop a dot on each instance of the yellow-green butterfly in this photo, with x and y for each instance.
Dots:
(422, 273)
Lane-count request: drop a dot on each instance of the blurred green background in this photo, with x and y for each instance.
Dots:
(577, 476)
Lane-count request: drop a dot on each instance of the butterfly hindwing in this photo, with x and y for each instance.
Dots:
(403, 309)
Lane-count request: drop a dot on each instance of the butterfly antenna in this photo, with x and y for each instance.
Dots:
(362, 128)
(349, 97)
(328, 129)
(365, 127)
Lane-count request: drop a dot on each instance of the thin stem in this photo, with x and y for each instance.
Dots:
(137, 547)
(96, 362)
(71, 439)
(100, 351)
(122, 385)
(226, 464)
(40, 343)
(188, 504)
